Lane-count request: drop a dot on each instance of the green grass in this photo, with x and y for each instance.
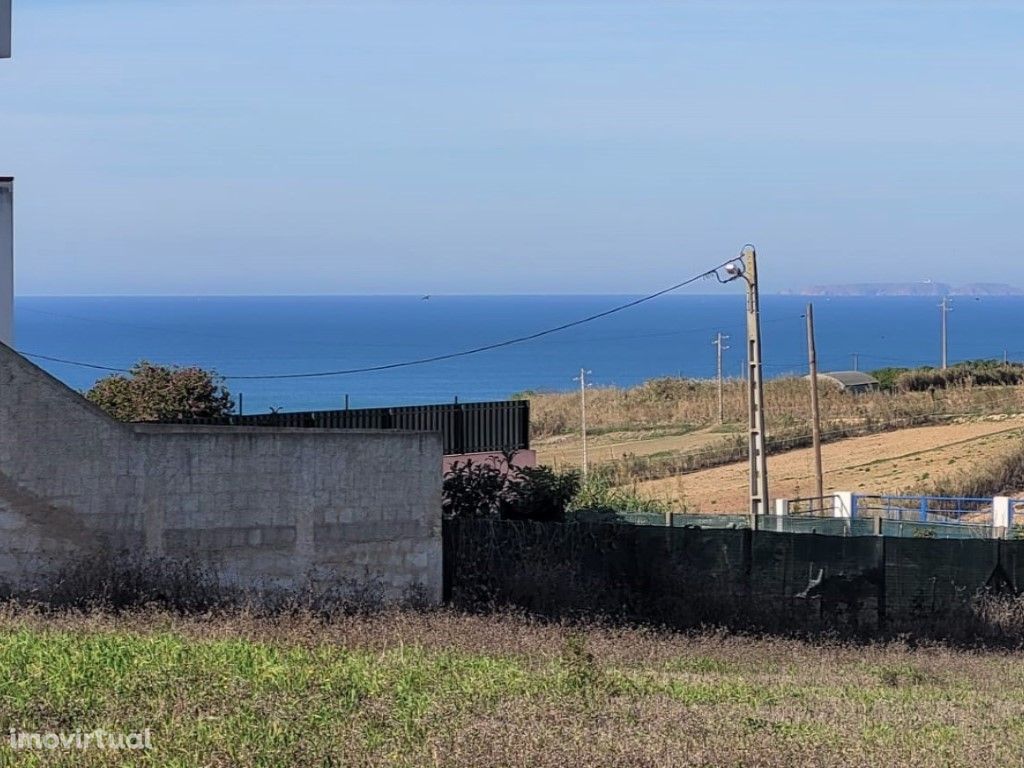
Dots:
(440, 689)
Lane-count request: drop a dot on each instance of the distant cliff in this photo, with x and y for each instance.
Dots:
(910, 289)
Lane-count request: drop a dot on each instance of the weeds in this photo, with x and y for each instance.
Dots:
(673, 403)
(433, 689)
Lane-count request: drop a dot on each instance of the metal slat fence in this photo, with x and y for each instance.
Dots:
(502, 425)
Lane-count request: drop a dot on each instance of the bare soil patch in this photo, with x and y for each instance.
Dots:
(902, 460)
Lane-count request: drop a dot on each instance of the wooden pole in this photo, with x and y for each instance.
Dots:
(812, 360)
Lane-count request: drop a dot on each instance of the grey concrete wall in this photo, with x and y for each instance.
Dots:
(263, 507)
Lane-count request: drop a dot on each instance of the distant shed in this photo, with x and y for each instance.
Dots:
(851, 381)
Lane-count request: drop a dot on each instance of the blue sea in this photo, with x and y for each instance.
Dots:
(672, 335)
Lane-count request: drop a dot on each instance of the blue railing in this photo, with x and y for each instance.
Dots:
(924, 509)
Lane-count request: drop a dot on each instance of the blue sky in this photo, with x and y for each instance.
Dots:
(498, 147)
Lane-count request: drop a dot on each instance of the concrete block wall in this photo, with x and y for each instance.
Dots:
(262, 507)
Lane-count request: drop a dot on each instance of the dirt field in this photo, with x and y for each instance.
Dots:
(901, 460)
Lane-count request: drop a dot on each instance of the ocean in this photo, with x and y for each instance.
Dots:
(671, 335)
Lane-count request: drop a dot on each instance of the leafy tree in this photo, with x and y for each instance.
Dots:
(162, 393)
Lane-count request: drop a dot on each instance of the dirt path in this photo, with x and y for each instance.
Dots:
(899, 460)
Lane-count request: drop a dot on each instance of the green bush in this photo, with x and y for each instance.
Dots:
(473, 489)
(972, 373)
(888, 378)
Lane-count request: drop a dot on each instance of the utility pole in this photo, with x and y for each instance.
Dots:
(746, 267)
(719, 343)
(945, 307)
(582, 378)
(856, 361)
(759, 501)
(812, 362)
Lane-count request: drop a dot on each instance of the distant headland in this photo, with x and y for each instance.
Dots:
(927, 288)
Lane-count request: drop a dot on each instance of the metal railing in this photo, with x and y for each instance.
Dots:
(925, 509)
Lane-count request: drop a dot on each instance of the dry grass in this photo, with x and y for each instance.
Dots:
(935, 460)
(686, 404)
(435, 689)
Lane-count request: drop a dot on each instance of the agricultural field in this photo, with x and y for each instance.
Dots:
(916, 460)
(439, 689)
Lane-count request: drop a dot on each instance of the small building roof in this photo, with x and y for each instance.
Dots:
(851, 378)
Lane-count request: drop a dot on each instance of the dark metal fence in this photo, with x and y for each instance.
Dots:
(502, 425)
(706, 577)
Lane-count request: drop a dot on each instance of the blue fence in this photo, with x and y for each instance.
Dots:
(924, 509)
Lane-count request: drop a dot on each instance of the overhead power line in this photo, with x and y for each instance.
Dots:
(433, 358)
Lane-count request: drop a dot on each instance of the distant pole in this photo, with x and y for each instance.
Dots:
(346, 402)
(718, 342)
(1006, 357)
(812, 361)
(241, 404)
(945, 309)
(856, 361)
(583, 416)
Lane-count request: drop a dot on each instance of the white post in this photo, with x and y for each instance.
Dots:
(781, 511)
(1002, 516)
(7, 260)
(842, 504)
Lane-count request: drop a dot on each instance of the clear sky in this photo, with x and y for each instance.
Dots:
(334, 146)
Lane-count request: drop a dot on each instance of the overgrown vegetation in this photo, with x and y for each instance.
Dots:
(686, 404)
(972, 373)
(161, 393)
(412, 689)
(1003, 476)
(502, 490)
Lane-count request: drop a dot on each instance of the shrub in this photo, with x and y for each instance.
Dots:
(162, 393)
(473, 489)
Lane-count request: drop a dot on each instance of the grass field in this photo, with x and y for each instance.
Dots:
(446, 690)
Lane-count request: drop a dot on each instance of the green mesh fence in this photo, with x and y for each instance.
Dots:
(711, 521)
(688, 576)
(916, 530)
(925, 578)
(824, 525)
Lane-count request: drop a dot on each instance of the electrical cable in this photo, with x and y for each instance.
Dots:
(434, 358)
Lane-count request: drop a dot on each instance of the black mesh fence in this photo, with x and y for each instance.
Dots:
(689, 576)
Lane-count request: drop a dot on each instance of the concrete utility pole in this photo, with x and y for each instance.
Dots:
(856, 361)
(719, 343)
(582, 378)
(946, 307)
(746, 267)
(812, 362)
